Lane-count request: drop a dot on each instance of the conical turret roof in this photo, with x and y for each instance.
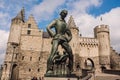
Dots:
(71, 23)
(21, 15)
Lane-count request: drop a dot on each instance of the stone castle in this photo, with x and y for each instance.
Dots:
(28, 49)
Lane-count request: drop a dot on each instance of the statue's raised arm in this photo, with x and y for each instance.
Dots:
(49, 28)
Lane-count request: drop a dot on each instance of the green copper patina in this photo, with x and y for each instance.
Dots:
(61, 36)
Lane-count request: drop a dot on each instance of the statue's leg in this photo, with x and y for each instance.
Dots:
(53, 52)
(68, 49)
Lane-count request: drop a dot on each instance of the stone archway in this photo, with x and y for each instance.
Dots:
(14, 73)
(89, 63)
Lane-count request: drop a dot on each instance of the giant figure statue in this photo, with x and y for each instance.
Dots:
(61, 35)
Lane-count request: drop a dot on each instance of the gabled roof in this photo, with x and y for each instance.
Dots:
(31, 20)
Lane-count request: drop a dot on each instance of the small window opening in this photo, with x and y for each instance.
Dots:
(30, 58)
(28, 32)
(29, 69)
(29, 25)
(22, 57)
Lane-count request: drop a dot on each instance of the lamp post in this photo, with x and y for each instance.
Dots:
(14, 45)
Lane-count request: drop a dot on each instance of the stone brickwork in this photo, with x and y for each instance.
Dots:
(115, 59)
(105, 60)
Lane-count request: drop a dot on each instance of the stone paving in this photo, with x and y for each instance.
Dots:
(103, 76)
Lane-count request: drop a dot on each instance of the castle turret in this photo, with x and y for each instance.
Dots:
(102, 34)
(75, 37)
(10, 63)
(72, 26)
(15, 29)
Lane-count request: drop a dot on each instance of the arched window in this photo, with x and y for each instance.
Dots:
(14, 72)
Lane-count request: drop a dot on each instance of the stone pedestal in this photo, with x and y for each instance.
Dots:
(60, 78)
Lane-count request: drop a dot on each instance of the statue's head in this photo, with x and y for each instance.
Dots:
(63, 13)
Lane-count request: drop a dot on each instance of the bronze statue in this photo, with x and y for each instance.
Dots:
(61, 36)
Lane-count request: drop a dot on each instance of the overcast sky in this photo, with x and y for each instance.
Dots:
(86, 13)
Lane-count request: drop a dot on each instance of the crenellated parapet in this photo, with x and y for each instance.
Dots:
(101, 28)
(85, 41)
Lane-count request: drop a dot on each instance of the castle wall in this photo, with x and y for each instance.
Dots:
(46, 45)
(88, 48)
(31, 37)
(114, 59)
(30, 65)
(31, 45)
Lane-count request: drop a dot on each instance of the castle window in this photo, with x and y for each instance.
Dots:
(39, 58)
(77, 67)
(29, 25)
(28, 32)
(30, 58)
(16, 56)
(29, 69)
(6, 52)
(22, 57)
(38, 70)
(5, 66)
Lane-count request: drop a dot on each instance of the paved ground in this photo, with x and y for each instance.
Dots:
(103, 76)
